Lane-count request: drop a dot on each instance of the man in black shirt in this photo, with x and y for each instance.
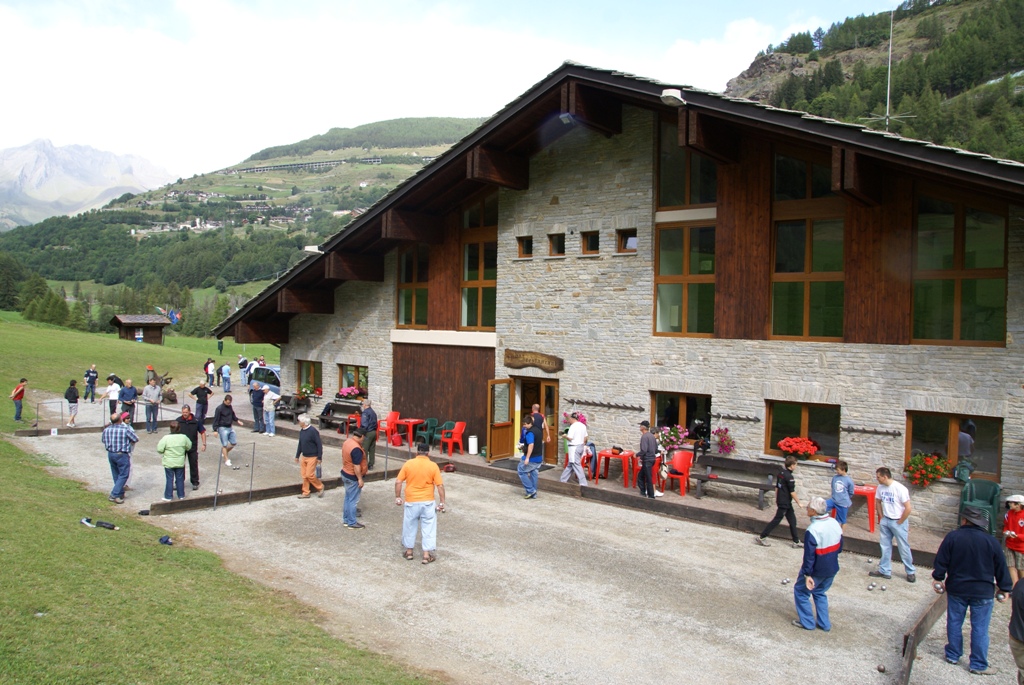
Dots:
(256, 400)
(190, 427)
(224, 421)
(201, 395)
(785, 496)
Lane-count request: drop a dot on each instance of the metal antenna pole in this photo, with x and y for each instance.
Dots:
(888, 78)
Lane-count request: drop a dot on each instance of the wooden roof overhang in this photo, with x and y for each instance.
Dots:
(497, 154)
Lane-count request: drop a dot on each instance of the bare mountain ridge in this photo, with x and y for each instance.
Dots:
(40, 180)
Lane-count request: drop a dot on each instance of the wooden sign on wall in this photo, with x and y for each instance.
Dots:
(519, 359)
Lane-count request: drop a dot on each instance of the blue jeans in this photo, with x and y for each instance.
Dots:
(90, 391)
(888, 530)
(120, 467)
(802, 598)
(174, 479)
(227, 436)
(528, 473)
(981, 614)
(17, 410)
(200, 412)
(268, 421)
(152, 411)
(227, 383)
(257, 418)
(352, 493)
(422, 515)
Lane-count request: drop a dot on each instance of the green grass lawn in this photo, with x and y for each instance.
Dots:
(50, 356)
(89, 605)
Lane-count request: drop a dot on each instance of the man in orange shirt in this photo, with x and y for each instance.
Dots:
(420, 476)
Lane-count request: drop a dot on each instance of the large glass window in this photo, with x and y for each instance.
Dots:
(353, 376)
(976, 440)
(684, 177)
(684, 280)
(959, 273)
(310, 374)
(807, 279)
(413, 274)
(816, 422)
(480, 264)
(672, 409)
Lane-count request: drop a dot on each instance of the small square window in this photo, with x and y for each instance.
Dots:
(626, 240)
(525, 247)
(556, 244)
(591, 241)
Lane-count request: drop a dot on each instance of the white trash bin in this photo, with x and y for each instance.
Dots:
(474, 445)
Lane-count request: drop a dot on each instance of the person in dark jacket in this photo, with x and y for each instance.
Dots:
(71, 395)
(785, 497)
(647, 455)
(189, 426)
(968, 560)
(368, 424)
(823, 542)
(256, 400)
(224, 421)
(309, 454)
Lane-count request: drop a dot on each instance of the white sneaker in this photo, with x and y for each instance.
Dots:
(227, 462)
(659, 493)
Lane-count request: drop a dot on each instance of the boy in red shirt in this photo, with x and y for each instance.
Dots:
(17, 395)
(1013, 531)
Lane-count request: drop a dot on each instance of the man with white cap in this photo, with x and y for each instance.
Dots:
(970, 562)
(1013, 533)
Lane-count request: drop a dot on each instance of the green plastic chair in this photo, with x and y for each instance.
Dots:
(425, 433)
(983, 494)
(447, 426)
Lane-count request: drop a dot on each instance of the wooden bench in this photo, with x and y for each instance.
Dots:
(762, 474)
(289, 407)
(337, 417)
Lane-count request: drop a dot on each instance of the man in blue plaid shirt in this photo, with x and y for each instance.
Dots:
(119, 438)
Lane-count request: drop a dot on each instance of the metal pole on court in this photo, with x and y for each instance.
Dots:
(387, 451)
(252, 468)
(216, 487)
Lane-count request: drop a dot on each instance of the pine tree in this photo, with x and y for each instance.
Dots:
(77, 319)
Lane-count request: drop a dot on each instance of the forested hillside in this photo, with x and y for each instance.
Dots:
(953, 73)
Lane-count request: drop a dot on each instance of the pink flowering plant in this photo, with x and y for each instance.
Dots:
(726, 443)
(670, 438)
(580, 416)
(352, 391)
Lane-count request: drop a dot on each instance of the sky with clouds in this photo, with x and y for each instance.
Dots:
(197, 85)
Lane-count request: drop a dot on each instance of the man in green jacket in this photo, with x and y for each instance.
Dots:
(173, 449)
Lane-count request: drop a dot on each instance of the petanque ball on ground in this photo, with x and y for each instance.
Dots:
(871, 587)
(883, 588)
(881, 668)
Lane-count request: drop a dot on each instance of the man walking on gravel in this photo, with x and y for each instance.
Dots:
(420, 476)
(119, 439)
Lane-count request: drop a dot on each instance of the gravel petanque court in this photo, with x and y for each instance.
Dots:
(555, 590)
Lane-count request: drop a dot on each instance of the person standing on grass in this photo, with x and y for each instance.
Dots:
(194, 431)
(113, 392)
(256, 400)
(173, 449)
(421, 476)
(71, 395)
(785, 497)
(18, 395)
(647, 454)
(224, 421)
(201, 395)
(529, 463)
(577, 437)
(970, 561)
(842, 493)
(893, 515)
(353, 468)
(90, 384)
(151, 396)
(119, 439)
(823, 542)
(368, 424)
(309, 454)
(270, 399)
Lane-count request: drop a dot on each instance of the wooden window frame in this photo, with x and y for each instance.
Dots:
(551, 244)
(774, 450)
(686, 279)
(622, 237)
(682, 416)
(959, 273)
(585, 238)
(480, 237)
(807, 277)
(952, 442)
(688, 204)
(522, 243)
(414, 285)
(314, 369)
(357, 370)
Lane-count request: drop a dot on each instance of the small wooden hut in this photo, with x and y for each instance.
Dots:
(147, 328)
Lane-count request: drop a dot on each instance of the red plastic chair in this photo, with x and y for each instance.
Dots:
(388, 426)
(453, 436)
(658, 485)
(682, 460)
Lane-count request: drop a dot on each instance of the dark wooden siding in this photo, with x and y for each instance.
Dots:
(444, 311)
(153, 335)
(879, 262)
(444, 382)
(743, 244)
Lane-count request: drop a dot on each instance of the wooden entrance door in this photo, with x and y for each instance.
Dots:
(548, 407)
(500, 426)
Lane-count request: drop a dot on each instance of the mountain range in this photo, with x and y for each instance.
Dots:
(40, 180)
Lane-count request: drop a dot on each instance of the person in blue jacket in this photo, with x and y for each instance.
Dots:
(842, 493)
(823, 542)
